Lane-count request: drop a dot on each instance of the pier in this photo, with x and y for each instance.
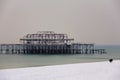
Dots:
(48, 42)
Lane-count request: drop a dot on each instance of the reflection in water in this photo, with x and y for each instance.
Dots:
(16, 61)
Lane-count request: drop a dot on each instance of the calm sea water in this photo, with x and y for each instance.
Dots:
(18, 61)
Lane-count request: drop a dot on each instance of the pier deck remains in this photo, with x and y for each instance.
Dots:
(48, 42)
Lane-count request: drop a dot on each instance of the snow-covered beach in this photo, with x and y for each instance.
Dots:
(80, 71)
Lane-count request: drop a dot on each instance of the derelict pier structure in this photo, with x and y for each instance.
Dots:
(49, 42)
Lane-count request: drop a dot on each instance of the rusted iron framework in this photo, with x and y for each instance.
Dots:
(48, 42)
(46, 38)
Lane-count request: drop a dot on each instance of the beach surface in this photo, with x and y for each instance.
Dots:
(80, 71)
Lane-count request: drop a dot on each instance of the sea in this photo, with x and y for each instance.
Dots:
(8, 61)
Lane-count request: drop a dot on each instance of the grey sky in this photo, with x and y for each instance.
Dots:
(96, 21)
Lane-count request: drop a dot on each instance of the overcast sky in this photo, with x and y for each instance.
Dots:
(88, 21)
